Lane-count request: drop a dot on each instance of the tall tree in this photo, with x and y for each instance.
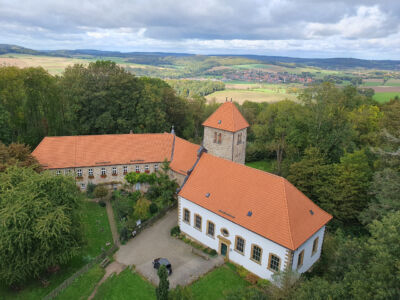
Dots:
(328, 126)
(39, 223)
(280, 128)
(163, 285)
(352, 181)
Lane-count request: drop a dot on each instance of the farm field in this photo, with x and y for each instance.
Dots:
(56, 65)
(241, 96)
(385, 96)
(252, 92)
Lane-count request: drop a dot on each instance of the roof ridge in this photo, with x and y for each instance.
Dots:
(114, 134)
(233, 116)
(287, 211)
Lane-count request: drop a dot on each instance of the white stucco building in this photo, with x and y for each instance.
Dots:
(253, 218)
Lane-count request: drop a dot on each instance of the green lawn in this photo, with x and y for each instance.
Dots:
(216, 284)
(264, 165)
(97, 233)
(385, 97)
(213, 286)
(84, 285)
(126, 285)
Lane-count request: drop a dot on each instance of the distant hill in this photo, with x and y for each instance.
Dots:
(160, 58)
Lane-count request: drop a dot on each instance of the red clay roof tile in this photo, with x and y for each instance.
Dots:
(227, 117)
(280, 212)
(184, 156)
(109, 149)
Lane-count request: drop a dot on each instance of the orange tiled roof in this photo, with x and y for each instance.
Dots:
(108, 149)
(227, 117)
(184, 156)
(280, 212)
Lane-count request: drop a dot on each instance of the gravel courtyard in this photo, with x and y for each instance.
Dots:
(156, 242)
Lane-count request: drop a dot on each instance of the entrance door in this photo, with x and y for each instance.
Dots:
(224, 249)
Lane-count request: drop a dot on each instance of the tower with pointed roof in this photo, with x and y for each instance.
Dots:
(225, 133)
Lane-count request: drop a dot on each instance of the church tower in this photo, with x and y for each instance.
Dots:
(225, 133)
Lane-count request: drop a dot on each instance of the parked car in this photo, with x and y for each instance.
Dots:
(158, 262)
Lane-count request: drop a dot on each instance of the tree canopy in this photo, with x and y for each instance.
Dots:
(39, 223)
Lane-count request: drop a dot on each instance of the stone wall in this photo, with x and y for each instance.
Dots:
(113, 180)
(229, 148)
(224, 149)
(239, 147)
(177, 176)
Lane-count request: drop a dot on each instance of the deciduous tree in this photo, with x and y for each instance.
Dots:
(39, 223)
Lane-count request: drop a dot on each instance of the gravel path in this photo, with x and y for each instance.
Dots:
(155, 242)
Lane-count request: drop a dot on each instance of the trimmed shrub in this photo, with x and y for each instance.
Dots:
(175, 231)
(153, 208)
(213, 252)
(124, 234)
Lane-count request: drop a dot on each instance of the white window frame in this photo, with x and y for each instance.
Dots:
(137, 186)
(125, 169)
(58, 172)
(90, 172)
(79, 173)
(156, 168)
(103, 171)
(137, 169)
(83, 186)
(114, 171)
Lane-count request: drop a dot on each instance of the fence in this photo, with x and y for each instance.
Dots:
(66, 283)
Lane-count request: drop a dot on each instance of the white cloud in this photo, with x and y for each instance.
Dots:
(358, 28)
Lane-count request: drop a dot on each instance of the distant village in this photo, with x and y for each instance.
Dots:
(266, 77)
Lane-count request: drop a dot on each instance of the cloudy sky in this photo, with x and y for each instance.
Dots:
(303, 28)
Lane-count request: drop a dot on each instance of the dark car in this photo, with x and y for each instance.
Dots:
(162, 262)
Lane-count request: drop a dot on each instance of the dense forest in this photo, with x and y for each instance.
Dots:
(101, 98)
(191, 88)
(339, 147)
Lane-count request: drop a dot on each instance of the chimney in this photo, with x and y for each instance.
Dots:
(131, 131)
(231, 99)
(226, 99)
(172, 130)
